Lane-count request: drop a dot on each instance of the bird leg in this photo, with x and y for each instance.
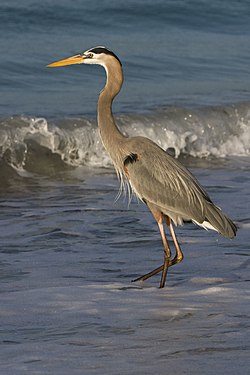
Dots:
(149, 274)
(177, 259)
(167, 252)
(179, 254)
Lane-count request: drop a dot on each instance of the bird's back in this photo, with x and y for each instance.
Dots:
(161, 180)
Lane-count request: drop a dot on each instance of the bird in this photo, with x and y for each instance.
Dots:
(170, 191)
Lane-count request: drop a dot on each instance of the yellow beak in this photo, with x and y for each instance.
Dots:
(77, 59)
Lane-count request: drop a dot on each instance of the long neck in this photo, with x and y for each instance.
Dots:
(110, 134)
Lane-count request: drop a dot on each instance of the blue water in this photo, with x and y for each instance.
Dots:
(68, 250)
(173, 52)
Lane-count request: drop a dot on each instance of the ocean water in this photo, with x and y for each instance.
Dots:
(69, 250)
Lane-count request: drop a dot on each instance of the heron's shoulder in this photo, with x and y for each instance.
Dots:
(148, 159)
(144, 146)
(144, 154)
(150, 154)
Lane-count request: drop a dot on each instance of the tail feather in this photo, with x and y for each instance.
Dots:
(220, 222)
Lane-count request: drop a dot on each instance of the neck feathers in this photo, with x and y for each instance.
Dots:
(110, 134)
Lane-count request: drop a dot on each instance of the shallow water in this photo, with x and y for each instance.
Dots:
(68, 255)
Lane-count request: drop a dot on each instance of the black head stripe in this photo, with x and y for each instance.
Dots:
(104, 50)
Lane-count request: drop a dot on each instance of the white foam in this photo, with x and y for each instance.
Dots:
(218, 132)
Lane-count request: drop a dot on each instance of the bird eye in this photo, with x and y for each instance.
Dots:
(90, 55)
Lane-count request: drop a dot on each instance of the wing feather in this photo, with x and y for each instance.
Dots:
(160, 179)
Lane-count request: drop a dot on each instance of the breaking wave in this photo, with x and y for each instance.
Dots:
(31, 143)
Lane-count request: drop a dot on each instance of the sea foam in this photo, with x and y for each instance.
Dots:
(201, 133)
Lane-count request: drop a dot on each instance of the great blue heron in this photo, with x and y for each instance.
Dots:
(169, 190)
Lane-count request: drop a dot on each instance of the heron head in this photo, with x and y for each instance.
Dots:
(97, 55)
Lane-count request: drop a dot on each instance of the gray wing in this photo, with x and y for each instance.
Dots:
(158, 178)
